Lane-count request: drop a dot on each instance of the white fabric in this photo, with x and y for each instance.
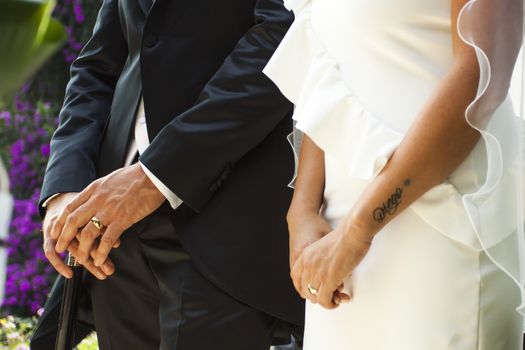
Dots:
(139, 143)
(495, 30)
(359, 72)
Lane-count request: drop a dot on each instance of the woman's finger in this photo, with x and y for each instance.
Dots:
(309, 288)
(326, 296)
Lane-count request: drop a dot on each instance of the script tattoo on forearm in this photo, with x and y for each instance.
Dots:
(390, 206)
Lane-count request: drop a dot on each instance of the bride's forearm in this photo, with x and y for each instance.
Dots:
(436, 144)
(309, 185)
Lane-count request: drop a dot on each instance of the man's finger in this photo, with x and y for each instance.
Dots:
(80, 199)
(88, 265)
(75, 220)
(88, 235)
(108, 267)
(107, 241)
(117, 243)
(55, 259)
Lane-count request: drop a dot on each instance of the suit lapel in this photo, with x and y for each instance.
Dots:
(145, 5)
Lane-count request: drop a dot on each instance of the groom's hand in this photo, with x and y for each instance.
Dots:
(53, 210)
(118, 201)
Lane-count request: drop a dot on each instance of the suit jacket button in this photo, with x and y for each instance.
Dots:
(150, 40)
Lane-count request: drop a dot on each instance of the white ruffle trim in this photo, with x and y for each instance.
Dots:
(335, 119)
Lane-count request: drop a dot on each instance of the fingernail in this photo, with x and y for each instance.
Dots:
(107, 269)
(337, 300)
(101, 275)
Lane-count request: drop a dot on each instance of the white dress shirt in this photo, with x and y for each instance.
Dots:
(139, 143)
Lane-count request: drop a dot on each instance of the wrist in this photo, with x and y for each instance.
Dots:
(147, 183)
(300, 212)
(358, 228)
(58, 199)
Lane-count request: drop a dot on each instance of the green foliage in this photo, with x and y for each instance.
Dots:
(29, 37)
(16, 332)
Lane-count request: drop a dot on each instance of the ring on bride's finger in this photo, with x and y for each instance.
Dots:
(312, 290)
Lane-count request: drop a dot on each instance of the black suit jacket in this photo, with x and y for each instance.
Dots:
(217, 127)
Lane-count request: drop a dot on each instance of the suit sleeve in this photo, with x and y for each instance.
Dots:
(236, 110)
(94, 74)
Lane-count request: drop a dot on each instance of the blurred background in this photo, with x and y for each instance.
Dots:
(34, 68)
(28, 116)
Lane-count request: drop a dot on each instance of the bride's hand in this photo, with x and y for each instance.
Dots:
(326, 263)
(305, 229)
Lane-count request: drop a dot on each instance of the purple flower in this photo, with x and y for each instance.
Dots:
(17, 148)
(6, 117)
(79, 12)
(44, 149)
(11, 301)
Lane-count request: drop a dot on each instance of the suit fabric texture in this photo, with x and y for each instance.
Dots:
(217, 128)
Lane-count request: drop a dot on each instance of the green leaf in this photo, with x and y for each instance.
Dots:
(28, 36)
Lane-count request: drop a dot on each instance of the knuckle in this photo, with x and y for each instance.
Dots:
(88, 234)
(81, 255)
(97, 197)
(106, 240)
(48, 253)
(68, 208)
(71, 219)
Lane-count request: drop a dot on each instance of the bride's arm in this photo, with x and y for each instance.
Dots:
(304, 223)
(435, 145)
(309, 185)
(437, 142)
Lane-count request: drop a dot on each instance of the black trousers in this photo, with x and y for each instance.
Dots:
(158, 300)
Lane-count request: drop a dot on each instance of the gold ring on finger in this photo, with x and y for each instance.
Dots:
(97, 223)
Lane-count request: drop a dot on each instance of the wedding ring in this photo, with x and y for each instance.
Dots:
(98, 224)
(312, 290)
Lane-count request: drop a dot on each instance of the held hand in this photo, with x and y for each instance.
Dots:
(325, 264)
(54, 208)
(305, 229)
(118, 200)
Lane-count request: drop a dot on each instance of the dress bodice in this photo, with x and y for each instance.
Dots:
(391, 53)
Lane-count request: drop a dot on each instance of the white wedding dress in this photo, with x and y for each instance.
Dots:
(359, 72)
